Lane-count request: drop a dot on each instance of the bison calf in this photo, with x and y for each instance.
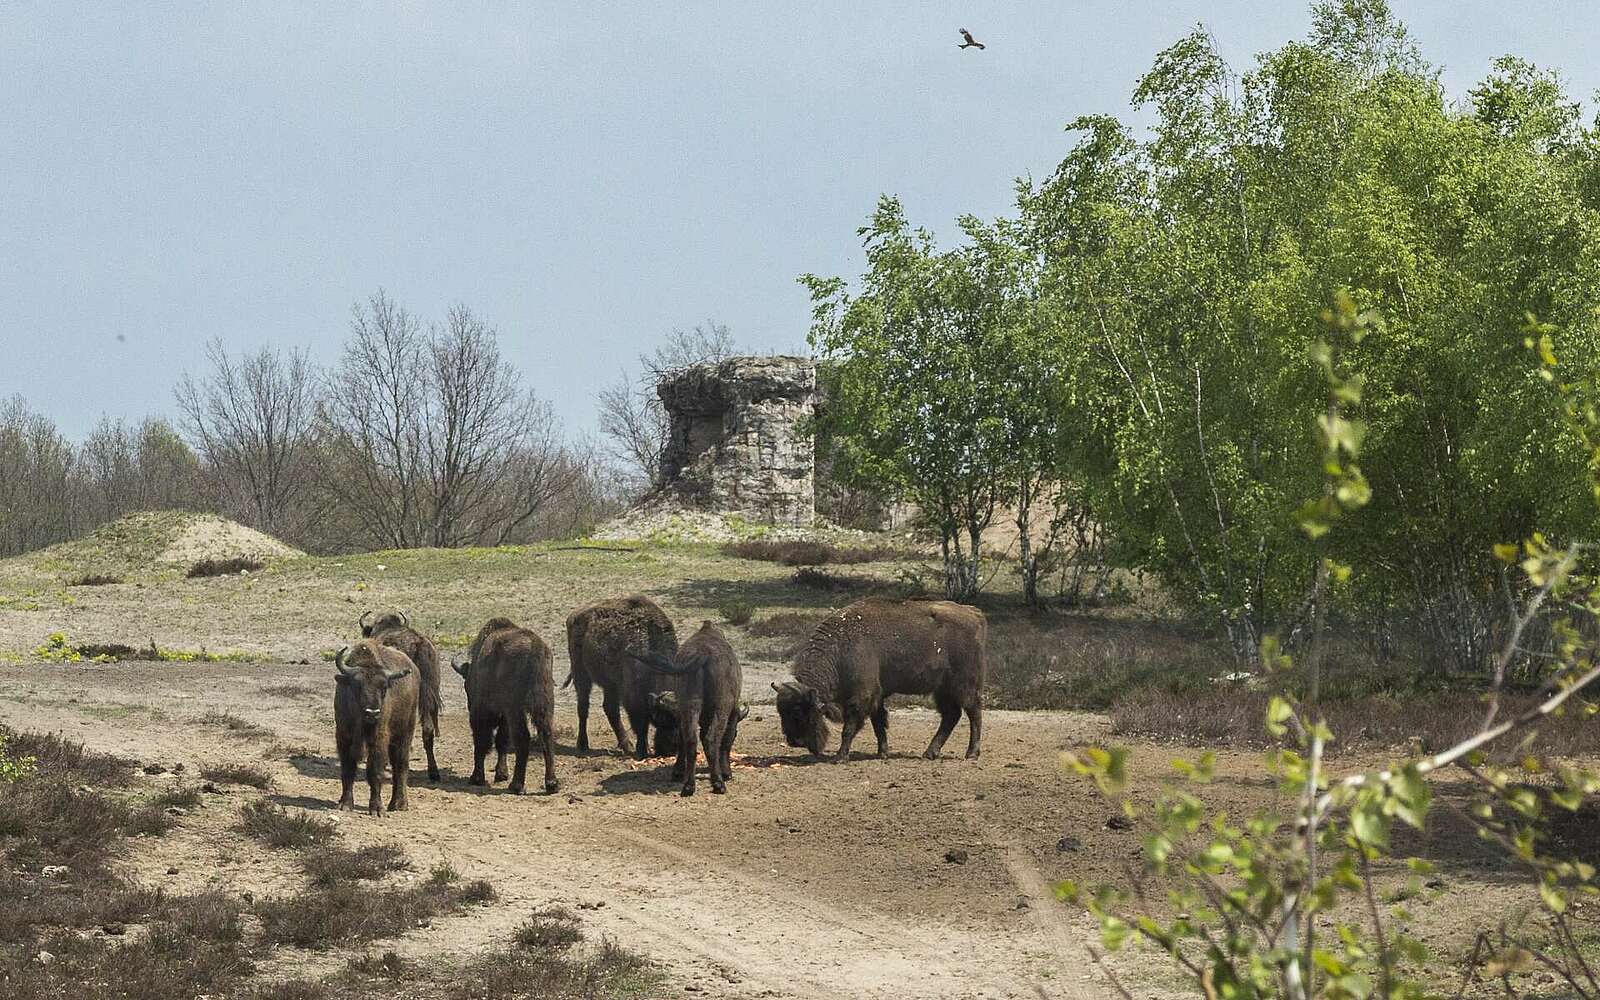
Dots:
(602, 640)
(705, 694)
(395, 630)
(878, 647)
(508, 682)
(375, 714)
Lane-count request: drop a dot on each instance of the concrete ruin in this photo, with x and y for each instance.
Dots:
(738, 444)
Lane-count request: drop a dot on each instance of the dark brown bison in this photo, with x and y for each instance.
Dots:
(877, 647)
(508, 681)
(394, 630)
(602, 640)
(705, 691)
(374, 715)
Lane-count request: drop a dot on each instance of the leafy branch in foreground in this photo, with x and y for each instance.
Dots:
(1285, 904)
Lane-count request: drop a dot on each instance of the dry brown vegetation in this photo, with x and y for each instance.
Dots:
(817, 553)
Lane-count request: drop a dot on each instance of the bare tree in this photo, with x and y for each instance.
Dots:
(40, 483)
(631, 415)
(146, 466)
(437, 440)
(251, 421)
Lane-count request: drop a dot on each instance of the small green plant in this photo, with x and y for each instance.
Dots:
(13, 767)
(56, 649)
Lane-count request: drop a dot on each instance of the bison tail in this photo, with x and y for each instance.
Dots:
(568, 682)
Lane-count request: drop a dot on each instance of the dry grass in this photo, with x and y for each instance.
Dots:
(1090, 664)
(838, 583)
(277, 827)
(94, 580)
(235, 724)
(737, 612)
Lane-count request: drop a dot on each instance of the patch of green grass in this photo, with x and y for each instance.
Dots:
(277, 827)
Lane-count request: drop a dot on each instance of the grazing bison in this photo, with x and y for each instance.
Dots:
(877, 647)
(705, 692)
(664, 716)
(375, 714)
(508, 681)
(395, 630)
(602, 640)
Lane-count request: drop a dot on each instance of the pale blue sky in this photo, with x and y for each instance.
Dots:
(586, 176)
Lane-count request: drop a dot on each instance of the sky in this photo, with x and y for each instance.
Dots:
(587, 177)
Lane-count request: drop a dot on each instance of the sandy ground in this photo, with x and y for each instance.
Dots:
(806, 880)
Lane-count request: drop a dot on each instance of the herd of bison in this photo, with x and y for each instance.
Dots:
(388, 685)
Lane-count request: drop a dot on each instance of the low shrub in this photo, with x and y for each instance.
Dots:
(332, 865)
(814, 553)
(277, 827)
(235, 724)
(237, 774)
(94, 580)
(223, 567)
(345, 912)
(737, 612)
(821, 579)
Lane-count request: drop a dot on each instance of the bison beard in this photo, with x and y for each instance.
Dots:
(375, 713)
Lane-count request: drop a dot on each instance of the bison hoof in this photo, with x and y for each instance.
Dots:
(688, 790)
(346, 806)
(433, 774)
(398, 806)
(972, 755)
(501, 775)
(930, 754)
(375, 810)
(718, 788)
(552, 786)
(477, 779)
(515, 788)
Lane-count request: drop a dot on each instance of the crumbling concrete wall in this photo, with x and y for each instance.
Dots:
(737, 444)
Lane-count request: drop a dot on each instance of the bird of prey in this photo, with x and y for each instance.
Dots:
(970, 43)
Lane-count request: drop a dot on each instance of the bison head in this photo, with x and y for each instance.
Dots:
(804, 716)
(366, 680)
(386, 621)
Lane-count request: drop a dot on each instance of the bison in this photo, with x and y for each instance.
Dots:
(602, 639)
(394, 630)
(508, 681)
(878, 647)
(375, 714)
(706, 694)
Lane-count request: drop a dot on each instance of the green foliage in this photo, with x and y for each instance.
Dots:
(1284, 903)
(13, 767)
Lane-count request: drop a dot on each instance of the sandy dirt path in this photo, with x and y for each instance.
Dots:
(806, 880)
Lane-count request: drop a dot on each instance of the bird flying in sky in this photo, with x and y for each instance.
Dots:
(970, 43)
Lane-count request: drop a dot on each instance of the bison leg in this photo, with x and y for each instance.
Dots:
(520, 739)
(639, 722)
(880, 728)
(400, 775)
(375, 778)
(547, 738)
(483, 737)
(688, 733)
(502, 746)
(949, 715)
(847, 734)
(727, 745)
(429, 730)
(347, 775)
(608, 702)
(716, 765)
(581, 686)
(974, 729)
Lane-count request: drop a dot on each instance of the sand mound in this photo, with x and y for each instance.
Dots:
(206, 536)
(660, 519)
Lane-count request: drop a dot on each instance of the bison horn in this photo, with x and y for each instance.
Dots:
(395, 675)
(461, 668)
(404, 620)
(338, 662)
(744, 712)
(363, 622)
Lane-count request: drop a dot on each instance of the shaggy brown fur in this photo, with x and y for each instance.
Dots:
(509, 683)
(395, 630)
(375, 714)
(602, 640)
(705, 690)
(878, 647)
